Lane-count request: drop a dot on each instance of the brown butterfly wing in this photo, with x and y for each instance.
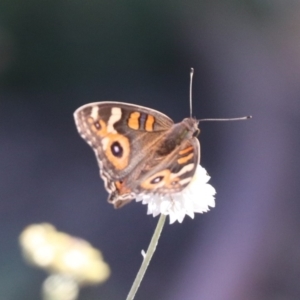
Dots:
(159, 175)
(174, 172)
(120, 135)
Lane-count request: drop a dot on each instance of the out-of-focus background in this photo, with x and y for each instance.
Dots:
(58, 55)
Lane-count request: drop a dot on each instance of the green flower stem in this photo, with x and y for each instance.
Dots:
(147, 258)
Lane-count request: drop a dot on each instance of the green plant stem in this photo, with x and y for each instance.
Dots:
(147, 258)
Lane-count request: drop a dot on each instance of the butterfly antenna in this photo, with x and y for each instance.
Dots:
(205, 120)
(191, 86)
(229, 119)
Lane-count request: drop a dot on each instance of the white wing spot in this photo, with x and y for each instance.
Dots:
(94, 113)
(185, 169)
(185, 181)
(116, 114)
(105, 142)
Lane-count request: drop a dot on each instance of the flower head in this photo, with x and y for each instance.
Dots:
(60, 253)
(197, 197)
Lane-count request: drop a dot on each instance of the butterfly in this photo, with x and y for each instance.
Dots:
(139, 150)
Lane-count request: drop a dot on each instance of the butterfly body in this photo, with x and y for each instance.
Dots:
(139, 150)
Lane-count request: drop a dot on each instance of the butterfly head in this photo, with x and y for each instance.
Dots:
(192, 126)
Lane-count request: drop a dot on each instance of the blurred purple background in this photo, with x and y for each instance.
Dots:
(58, 55)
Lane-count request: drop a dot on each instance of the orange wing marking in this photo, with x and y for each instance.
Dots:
(133, 121)
(149, 123)
(121, 187)
(107, 141)
(185, 159)
(186, 150)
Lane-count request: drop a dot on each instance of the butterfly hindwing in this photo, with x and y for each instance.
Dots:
(174, 172)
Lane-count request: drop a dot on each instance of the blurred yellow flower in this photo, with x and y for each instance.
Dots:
(60, 253)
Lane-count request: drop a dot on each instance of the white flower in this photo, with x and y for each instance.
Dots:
(197, 197)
